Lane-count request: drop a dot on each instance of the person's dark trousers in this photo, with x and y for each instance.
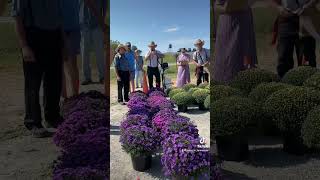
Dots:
(202, 76)
(288, 30)
(308, 50)
(123, 85)
(153, 71)
(47, 69)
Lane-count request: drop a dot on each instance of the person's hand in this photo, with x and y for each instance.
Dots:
(27, 54)
(284, 12)
(118, 78)
(198, 65)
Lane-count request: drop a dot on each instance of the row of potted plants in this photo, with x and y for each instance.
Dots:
(257, 100)
(83, 138)
(152, 125)
(191, 94)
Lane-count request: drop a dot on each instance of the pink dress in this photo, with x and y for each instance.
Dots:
(183, 76)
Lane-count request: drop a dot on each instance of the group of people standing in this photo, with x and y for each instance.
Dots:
(296, 27)
(201, 58)
(129, 64)
(51, 35)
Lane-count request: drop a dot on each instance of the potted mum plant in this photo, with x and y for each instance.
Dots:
(178, 125)
(156, 103)
(183, 100)
(140, 142)
(183, 158)
(200, 96)
(162, 117)
(230, 119)
(289, 109)
(175, 91)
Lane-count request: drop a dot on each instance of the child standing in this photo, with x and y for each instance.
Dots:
(139, 69)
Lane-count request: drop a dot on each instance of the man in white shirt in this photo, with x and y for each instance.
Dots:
(201, 58)
(152, 60)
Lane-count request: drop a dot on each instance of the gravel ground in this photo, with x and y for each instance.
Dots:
(120, 162)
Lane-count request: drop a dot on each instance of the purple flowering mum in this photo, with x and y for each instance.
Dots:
(162, 117)
(178, 125)
(137, 103)
(215, 170)
(82, 173)
(182, 156)
(89, 150)
(154, 89)
(135, 120)
(157, 103)
(157, 93)
(138, 94)
(139, 140)
(79, 123)
(143, 111)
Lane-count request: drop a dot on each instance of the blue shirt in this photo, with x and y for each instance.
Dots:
(121, 63)
(70, 14)
(131, 58)
(44, 14)
(139, 63)
(87, 18)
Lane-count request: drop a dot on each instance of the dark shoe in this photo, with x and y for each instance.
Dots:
(86, 82)
(40, 132)
(101, 81)
(53, 125)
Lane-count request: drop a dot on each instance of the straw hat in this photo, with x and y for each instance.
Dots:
(152, 44)
(138, 51)
(121, 46)
(199, 42)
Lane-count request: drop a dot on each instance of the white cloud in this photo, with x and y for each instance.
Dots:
(172, 29)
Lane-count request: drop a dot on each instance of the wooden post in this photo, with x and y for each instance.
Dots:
(108, 61)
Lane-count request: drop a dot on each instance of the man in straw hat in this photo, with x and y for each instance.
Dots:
(201, 58)
(122, 68)
(152, 59)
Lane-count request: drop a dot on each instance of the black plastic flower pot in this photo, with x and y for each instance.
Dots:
(141, 163)
(232, 148)
(182, 108)
(202, 107)
(293, 144)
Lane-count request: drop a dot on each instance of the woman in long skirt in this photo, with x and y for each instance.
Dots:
(235, 42)
(183, 76)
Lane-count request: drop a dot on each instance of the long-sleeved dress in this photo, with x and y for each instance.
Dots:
(183, 76)
(235, 39)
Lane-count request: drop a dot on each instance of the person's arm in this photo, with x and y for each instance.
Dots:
(147, 57)
(160, 55)
(307, 24)
(17, 8)
(116, 63)
(93, 8)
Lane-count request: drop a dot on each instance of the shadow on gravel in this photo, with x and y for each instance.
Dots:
(156, 168)
(231, 176)
(115, 130)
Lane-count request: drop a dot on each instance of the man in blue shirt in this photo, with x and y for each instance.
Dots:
(92, 29)
(131, 58)
(39, 31)
(122, 68)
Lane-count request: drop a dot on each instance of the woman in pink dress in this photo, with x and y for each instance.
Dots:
(183, 76)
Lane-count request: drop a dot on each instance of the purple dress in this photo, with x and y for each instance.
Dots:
(183, 76)
(235, 39)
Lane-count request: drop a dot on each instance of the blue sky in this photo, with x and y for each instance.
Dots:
(176, 22)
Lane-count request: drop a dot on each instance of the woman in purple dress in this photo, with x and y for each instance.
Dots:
(183, 76)
(235, 47)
